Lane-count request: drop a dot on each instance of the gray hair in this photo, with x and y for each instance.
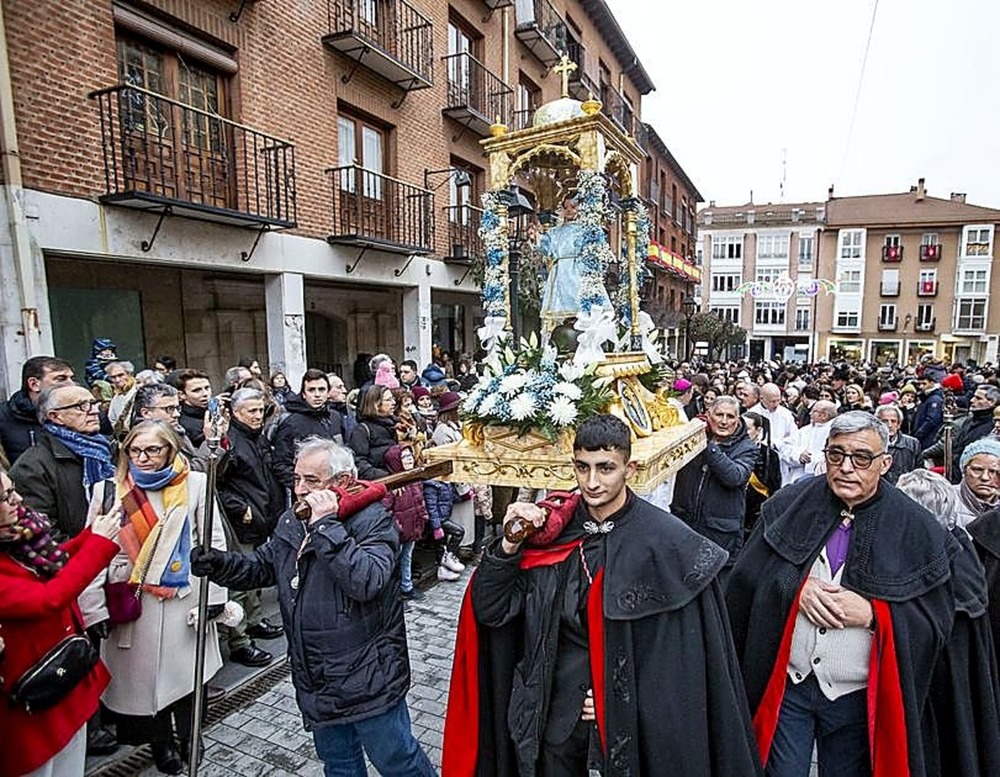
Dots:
(233, 374)
(889, 409)
(824, 406)
(149, 377)
(376, 360)
(753, 388)
(339, 459)
(725, 399)
(47, 401)
(992, 392)
(932, 491)
(127, 366)
(859, 421)
(244, 395)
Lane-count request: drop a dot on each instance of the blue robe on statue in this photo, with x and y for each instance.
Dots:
(561, 297)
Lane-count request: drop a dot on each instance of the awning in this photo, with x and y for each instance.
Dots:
(673, 263)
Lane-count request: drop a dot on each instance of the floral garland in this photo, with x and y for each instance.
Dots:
(530, 390)
(492, 233)
(623, 298)
(595, 253)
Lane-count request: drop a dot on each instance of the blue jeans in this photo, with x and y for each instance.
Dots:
(839, 729)
(386, 738)
(406, 567)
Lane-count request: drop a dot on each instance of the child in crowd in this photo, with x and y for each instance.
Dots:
(410, 512)
(439, 498)
(426, 409)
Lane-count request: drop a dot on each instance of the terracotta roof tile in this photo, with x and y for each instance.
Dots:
(893, 210)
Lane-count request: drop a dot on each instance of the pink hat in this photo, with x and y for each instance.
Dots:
(384, 376)
(888, 398)
(681, 385)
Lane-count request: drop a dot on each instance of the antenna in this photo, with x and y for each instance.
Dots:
(784, 173)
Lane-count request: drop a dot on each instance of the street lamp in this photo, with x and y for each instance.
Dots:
(518, 209)
(690, 305)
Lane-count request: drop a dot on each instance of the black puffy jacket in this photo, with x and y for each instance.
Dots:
(370, 439)
(343, 619)
(710, 491)
(246, 480)
(19, 427)
(301, 421)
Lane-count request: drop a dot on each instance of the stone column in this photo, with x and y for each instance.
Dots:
(417, 324)
(286, 325)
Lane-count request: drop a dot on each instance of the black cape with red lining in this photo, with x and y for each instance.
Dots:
(672, 697)
(900, 557)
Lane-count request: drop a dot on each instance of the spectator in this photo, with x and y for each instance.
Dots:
(307, 416)
(195, 391)
(433, 376)
(749, 396)
(375, 432)
(161, 402)
(426, 410)
(235, 377)
(151, 659)
(102, 352)
(121, 376)
(373, 365)
(19, 423)
(165, 365)
(409, 377)
(854, 399)
(40, 582)
(904, 450)
(977, 491)
(349, 663)
(337, 398)
(252, 499)
(448, 430)
(930, 412)
(280, 387)
(710, 491)
(407, 507)
(385, 376)
(253, 365)
(977, 426)
(802, 451)
(765, 479)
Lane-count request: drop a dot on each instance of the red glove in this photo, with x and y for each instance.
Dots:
(354, 500)
(561, 506)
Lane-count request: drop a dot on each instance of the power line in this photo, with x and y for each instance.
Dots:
(857, 93)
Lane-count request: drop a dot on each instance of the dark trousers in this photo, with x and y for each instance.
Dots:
(569, 758)
(161, 727)
(839, 729)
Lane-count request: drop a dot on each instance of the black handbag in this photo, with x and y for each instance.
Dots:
(55, 674)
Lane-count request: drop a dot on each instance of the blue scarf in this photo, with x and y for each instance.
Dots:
(152, 481)
(94, 449)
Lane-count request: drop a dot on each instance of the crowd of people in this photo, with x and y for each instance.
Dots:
(821, 575)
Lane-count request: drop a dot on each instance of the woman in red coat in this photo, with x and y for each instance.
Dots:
(39, 584)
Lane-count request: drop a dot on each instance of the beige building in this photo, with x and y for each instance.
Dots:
(914, 276)
(772, 248)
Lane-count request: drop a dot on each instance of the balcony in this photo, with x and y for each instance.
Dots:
(581, 85)
(373, 210)
(541, 30)
(925, 326)
(464, 244)
(389, 37)
(619, 111)
(889, 325)
(892, 253)
(495, 5)
(476, 97)
(164, 156)
(927, 288)
(930, 253)
(522, 119)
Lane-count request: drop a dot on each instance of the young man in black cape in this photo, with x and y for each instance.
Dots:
(841, 605)
(604, 645)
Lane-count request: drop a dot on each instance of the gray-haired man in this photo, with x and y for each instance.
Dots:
(905, 450)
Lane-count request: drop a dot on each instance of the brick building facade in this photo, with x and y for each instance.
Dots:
(294, 180)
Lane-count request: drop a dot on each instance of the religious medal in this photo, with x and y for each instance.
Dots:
(295, 583)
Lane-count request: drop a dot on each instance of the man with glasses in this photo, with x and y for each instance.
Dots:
(252, 499)
(838, 605)
(978, 491)
(19, 424)
(160, 402)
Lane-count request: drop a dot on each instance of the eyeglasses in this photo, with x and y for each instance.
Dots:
(977, 471)
(84, 405)
(151, 451)
(859, 460)
(170, 409)
(8, 495)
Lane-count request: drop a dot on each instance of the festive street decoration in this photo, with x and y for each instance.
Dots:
(783, 288)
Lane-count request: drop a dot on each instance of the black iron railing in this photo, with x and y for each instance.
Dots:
(371, 208)
(472, 86)
(158, 149)
(393, 26)
(619, 111)
(544, 17)
(464, 242)
(522, 119)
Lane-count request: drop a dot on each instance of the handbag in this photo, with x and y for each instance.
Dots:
(124, 602)
(55, 674)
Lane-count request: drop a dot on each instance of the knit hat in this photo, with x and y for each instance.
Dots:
(681, 385)
(953, 382)
(384, 376)
(449, 401)
(419, 391)
(988, 446)
(888, 398)
(908, 389)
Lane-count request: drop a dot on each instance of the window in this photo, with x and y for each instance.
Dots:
(892, 241)
(769, 313)
(767, 276)
(772, 246)
(806, 249)
(727, 247)
(459, 42)
(851, 243)
(927, 284)
(887, 316)
(890, 283)
(847, 319)
(849, 282)
(929, 239)
(925, 317)
(802, 319)
(971, 314)
(360, 144)
(527, 102)
(725, 282)
(368, 12)
(973, 282)
(977, 241)
(731, 314)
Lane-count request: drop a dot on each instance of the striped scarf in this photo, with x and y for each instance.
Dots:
(159, 548)
(30, 543)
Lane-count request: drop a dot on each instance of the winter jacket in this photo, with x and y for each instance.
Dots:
(439, 498)
(927, 419)
(300, 422)
(371, 438)
(343, 619)
(50, 478)
(905, 452)
(406, 504)
(193, 420)
(19, 425)
(979, 424)
(36, 615)
(247, 480)
(710, 491)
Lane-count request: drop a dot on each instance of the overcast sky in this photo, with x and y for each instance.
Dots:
(739, 81)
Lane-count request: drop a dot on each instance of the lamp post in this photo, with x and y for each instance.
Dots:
(518, 207)
(690, 305)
